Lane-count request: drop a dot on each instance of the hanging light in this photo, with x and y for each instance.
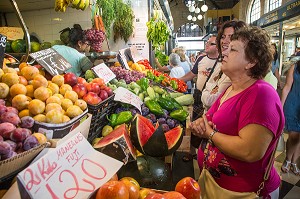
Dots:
(204, 8)
(192, 8)
(199, 17)
(197, 10)
(194, 18)
(189, 17)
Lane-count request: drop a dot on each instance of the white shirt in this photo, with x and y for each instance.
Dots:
(177, 72)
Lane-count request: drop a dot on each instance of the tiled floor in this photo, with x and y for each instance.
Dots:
(290, 183)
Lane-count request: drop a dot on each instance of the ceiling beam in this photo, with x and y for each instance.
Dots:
(214, 3)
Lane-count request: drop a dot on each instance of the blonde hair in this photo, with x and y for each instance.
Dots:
(180, 52)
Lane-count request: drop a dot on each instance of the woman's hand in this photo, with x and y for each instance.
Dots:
(201, 127)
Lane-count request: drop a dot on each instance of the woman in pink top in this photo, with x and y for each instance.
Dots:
(246, 120)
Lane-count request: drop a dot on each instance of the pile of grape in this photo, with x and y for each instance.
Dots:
(96, 38)
(127, 75)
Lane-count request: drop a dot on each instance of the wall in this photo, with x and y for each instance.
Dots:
(236, 10)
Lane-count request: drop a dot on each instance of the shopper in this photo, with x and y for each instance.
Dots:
(291, 105)
(275, 65)
(192, 58)
(218, 81)
(74, 54)
(176, 70)
(244, 123)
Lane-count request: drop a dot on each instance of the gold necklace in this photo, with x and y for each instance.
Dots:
(224, 98)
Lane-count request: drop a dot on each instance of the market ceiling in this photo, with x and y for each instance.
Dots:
(212, 4)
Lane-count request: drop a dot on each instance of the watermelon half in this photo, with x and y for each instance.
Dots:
(117, 144)
(152, 140)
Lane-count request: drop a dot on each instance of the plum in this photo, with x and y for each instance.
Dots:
(5, 148)
(133, 111)
(3, 109)
(12, 109)
(12, 144)
(145, 110)
(5, 129)
(171, 123)
(152, 117)
(20, 134)
(165, 127)
(2, 102)
(30, 142)
(1, 138)
(27, 122)
(161, 120)
(9, 155)
(10, 117)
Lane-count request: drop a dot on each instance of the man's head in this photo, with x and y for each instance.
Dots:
(211, 47)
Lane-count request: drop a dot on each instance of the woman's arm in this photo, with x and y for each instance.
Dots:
(160, 67)
(277, 75)
(288, 85)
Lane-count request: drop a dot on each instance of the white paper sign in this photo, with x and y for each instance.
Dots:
(73, 170)
(136, 56)
(104, 72)
(126, 96)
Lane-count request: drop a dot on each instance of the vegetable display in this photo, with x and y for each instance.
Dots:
(163, 59)
(157, 33)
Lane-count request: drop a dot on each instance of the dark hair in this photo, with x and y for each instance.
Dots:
(275, 54)
(257, 49)
(298, 66)
(76, 34)
(234, 24)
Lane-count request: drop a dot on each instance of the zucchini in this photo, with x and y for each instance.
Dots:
(185, 100)
(151, 92)
(176, 94)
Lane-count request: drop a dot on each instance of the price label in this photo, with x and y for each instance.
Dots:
(2, 48)
(104, 72)
(12, 33)
(73, 170)
(136, 56)
(126, 96)
(52, 61)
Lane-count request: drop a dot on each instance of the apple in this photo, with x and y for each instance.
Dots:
(81, 80)
(99, 81)
(188, 187)
(70, 78)
(113, 190)
(109, 91)
(132, 186)
(173, 195)
(92, 98)
(103, 94)
(115, 176)
(155, 196)
(144, 192)
(93, 87)
(80, 89)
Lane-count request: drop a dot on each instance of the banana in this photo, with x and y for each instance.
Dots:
(81, 5)
(87, 3)
(59, 5)
(75, 3)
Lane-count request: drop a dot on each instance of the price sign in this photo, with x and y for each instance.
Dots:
(104, 72)
(52, 61)
(2, 48)
(73, 170)
(12, 33)
(126, 96)
(136, 56)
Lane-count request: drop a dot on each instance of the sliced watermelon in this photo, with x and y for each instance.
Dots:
(118, 145)
(174, 138)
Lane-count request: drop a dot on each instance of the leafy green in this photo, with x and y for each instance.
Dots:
(157, 33)
(162, 58)
(108, 13)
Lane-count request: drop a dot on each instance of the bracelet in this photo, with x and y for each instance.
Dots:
(211, 135)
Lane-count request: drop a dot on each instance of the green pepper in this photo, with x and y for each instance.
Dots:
(174, 84)
(175, 103)
(179, 114)
(120, 118)
(154, 107)
(166, 104)
(143, 83)
(150, 75)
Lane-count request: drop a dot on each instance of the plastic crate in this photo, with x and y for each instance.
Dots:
(99, 113)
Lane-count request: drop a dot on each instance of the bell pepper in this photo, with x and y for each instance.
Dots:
(143, 83)
(179, 114)
(120, 118)
(174, 84)
(150, 75)
(166, 104)
(154, 107)
(175, 103)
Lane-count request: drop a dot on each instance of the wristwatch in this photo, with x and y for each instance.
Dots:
(211, 135)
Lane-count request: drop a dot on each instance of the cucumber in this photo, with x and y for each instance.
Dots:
(151, 92)
(176, 94)
(185, 100)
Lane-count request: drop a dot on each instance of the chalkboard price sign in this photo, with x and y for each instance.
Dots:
(2, 48)
(52, 61)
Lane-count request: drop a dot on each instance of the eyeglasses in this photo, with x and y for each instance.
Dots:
(86, 43)
(211, 44)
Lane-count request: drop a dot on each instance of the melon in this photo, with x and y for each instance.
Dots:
(45, 45)
(154, 141)
(19, 46)
(8, 48)
(35, 46)
(117, 145)
(149, 172)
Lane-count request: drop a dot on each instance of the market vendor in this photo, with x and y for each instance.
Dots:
(73, 53)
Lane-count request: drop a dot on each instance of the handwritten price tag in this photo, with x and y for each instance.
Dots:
(73, 170)
(2, 47)
(126, 96)
(136, 56)
(104, 72)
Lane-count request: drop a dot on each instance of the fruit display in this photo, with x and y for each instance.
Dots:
(62, 5)
(127, 75)
(96, 38)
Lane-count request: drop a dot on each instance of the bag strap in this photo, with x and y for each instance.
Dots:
(211, 72)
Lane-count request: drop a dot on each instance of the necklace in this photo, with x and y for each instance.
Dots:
(224, 98)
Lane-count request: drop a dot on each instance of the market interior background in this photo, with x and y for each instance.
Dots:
(188, 29)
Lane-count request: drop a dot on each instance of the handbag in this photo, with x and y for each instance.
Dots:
(210, 189)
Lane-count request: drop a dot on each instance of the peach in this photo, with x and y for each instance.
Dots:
(36, 106)
(41, 93)
(58, 79)
(10, 79)
(17, 89)
(40, 118)
(39, 81)
(29, 72)
(72, 95)
(4, 90)
(54, 117)
(20, 102)
(53, 87)
(73, 111)
(52, 106)
(64, 88)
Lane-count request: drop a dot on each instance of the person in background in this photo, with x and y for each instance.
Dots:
(218, 82)
(291, 106)
(192, 58)
(275, 65)
(297, 51)
(245, 122)
(176, 70)
(74, 53)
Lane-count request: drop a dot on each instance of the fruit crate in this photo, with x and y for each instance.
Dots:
(57, 131)
(99, 113)
(12, 166)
